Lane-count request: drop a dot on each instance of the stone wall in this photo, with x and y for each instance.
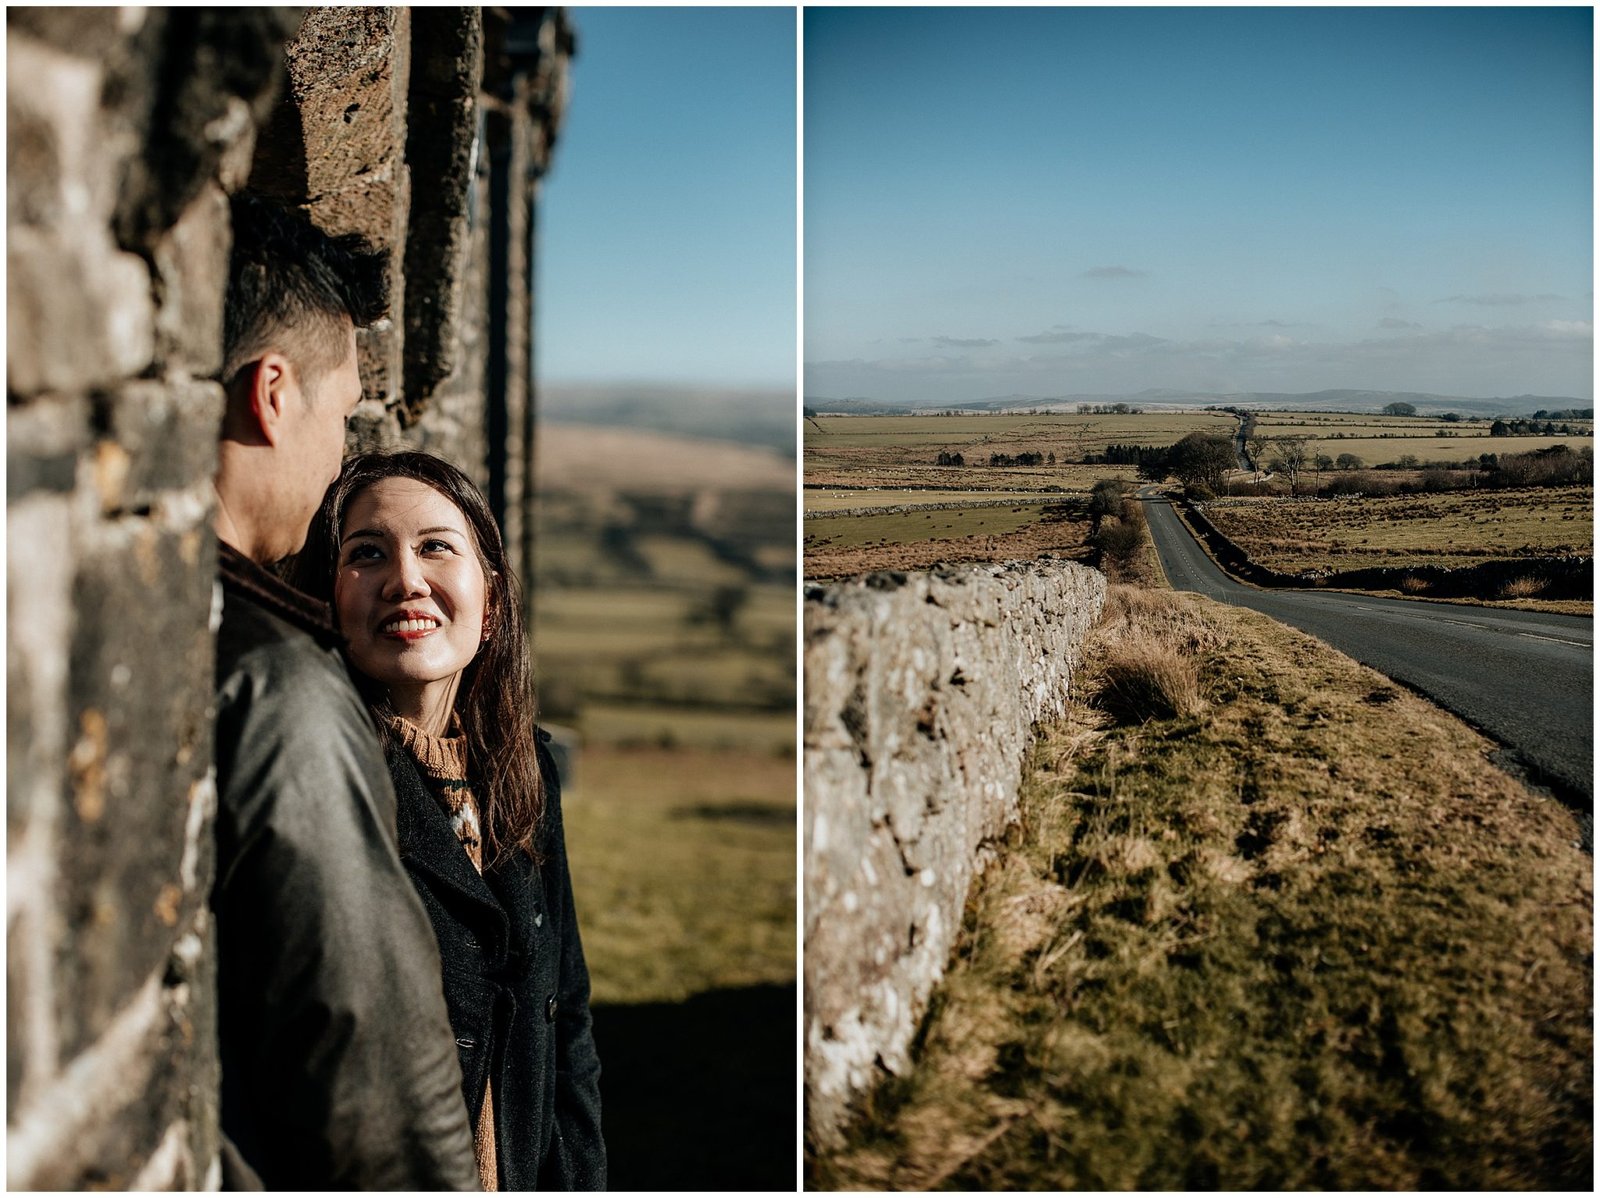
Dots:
(921, 694)
(127, 129)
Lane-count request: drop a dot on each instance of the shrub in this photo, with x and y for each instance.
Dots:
(1118, 543)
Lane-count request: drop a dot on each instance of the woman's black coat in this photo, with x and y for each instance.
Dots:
(516, 987)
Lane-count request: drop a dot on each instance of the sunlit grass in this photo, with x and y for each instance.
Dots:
(683, 865)
(1308, 938)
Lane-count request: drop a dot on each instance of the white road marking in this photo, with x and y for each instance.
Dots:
(1534, 636)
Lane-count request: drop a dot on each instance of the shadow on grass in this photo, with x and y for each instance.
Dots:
(700, 1095)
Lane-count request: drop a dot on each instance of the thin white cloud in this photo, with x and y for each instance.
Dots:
(963, 342)
(1553, 357)
(1113, 272)
(1500, 301)
(1062, 337)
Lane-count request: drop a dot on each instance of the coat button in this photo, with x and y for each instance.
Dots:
(538, 919)
(472, 941)
(550, 1009)
(465, 1042)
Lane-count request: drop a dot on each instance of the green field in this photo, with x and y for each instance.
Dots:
(1007, 433)
(1453, 528)
(1380, 440)
(683, 870)
(831, 500)
(905, 527)
(665, 639)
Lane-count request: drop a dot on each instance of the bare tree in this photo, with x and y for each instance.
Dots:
(1294, 452)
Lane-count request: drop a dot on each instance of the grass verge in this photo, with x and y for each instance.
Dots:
(1304, 937)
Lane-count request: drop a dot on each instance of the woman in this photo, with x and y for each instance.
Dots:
(406, 549)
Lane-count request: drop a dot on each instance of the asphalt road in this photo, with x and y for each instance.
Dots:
(1526, 679)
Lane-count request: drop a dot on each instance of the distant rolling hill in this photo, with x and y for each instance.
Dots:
(579, 457)
(746, 416)
(1336, 400)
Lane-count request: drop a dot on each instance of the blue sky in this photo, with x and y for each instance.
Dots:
(667, 222)
(1059, 201)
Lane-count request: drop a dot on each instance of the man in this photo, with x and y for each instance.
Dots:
(339, 1070)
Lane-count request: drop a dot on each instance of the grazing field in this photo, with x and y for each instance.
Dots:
(1007, 433)
(1384, 440)
(664, 636)
(1390, 450)
(1269, 922)
(683, 869)
(847, 468)
(902, 527)
(1359, 424)
(829, 500)
(1455, 528)
(900, 451)
(845, 546)
(878, 461)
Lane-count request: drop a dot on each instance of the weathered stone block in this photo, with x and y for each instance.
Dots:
(39, 628)
(105, 1122)
(349, 70)
(921, 694)
(52, 109)
(378, 358)
(43, 442)
(157, 439)
(139, 723)
(172, 104)
(192, 273)
(78, 314)
(89, 33)
(441, 145)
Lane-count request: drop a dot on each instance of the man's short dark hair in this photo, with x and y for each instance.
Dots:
(291, 287)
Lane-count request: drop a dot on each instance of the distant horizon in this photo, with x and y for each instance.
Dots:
(1152, 392)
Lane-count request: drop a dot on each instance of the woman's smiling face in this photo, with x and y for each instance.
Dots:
(410, 594)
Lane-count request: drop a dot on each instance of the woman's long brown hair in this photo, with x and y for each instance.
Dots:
(495, 702)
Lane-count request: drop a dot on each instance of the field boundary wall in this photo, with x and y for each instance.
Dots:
(1565, 577)
(921, 695)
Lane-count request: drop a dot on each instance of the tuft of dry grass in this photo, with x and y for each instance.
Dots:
(1310, 939)
(1522, 588)
(1145, 677)
(1145, 658)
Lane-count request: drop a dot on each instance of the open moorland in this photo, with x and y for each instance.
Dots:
(664, 626)
(1269, 922)
(915, 539)
(1033, 507)
(1451, 528)
(1412, 440)
(910, 491)
(843, 452)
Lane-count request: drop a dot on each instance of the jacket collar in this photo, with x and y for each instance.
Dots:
(244, 577)
(428, 843)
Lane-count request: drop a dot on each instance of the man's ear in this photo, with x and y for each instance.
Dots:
(272, 388)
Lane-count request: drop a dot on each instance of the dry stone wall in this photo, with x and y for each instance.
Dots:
(921, 694)
(127, 129)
